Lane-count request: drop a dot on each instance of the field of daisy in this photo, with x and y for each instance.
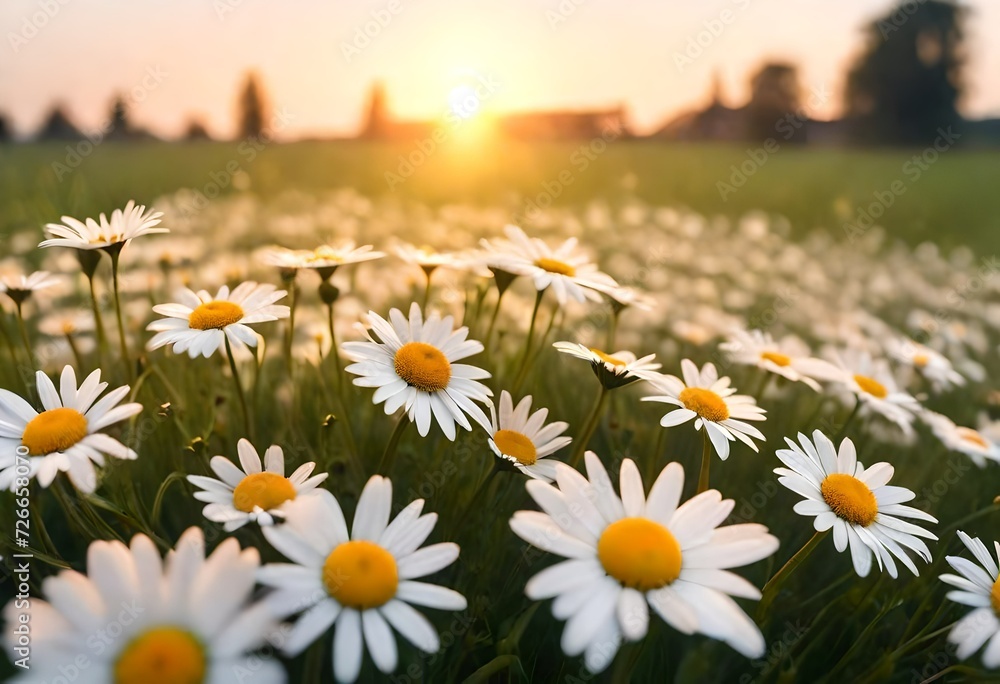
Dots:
(326, 435)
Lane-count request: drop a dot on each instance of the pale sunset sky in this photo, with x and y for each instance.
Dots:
(187, 58)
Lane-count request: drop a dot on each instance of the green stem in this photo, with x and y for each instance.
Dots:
(76, 351)
(847, 423)
(773, 585)
(590, 426)
(129, 370)
(333, 342)
(290, 334)
(102, 338)
(23, 330)
(427, 291)
(531, 338)
(706, 461)
(239, 390)
(493, 319)
(613, 330)
(385, 464)
(11, 347)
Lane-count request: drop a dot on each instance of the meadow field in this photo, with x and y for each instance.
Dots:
(948, 197)
(910, 312)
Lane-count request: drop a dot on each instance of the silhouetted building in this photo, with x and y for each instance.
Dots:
(379, 123)
(715, 122)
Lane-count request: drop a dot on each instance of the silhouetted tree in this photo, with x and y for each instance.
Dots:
(774, 96)
(119, 126)
(377, 119)
(196, 131)
(5, 132)
(253, 108)
(59, 127)
(908, 81)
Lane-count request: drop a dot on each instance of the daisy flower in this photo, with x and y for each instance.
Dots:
(523, 438)
(364, 582)
(615, 369)
(201, 323)
(187, 618)
(863, 510)
(253, 494)
(425, 257)
(629, 553)
(625, 297)
(125, 224)
(19, 286)
(412, 363)
(966, 440)
(66, 436)
(758, 348)
(871, 381)
(325, 258)
(929, 363)
(712, 403)
(978, 588)
(570, 274)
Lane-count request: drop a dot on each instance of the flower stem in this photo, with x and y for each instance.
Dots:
(102, 338)
(590, 426)
(771, 589)
(75, 349)
(239, 390)
(293, 292)
(706, 462)
(847, 423)
(115, 255)
(531, 339)
(427, 288)
(333, 343)
(23, 329)
(613, 330)
(391, 447)
(493, 319)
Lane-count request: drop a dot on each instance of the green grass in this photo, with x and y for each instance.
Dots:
(953, 201)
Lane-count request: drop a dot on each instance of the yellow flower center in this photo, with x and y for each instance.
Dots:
(973, 437)
(422, 366)
(267, 490)
(607, 358)
(995, 597)
(921, 360)
(706, 403)
(776, 358)
(162, 655)
(556, 266)
(324, 254)
(360, 574)
(514, 444)
(849, 498)
(871, 386)
(54, 430)
(639, 553)
(215, 315)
